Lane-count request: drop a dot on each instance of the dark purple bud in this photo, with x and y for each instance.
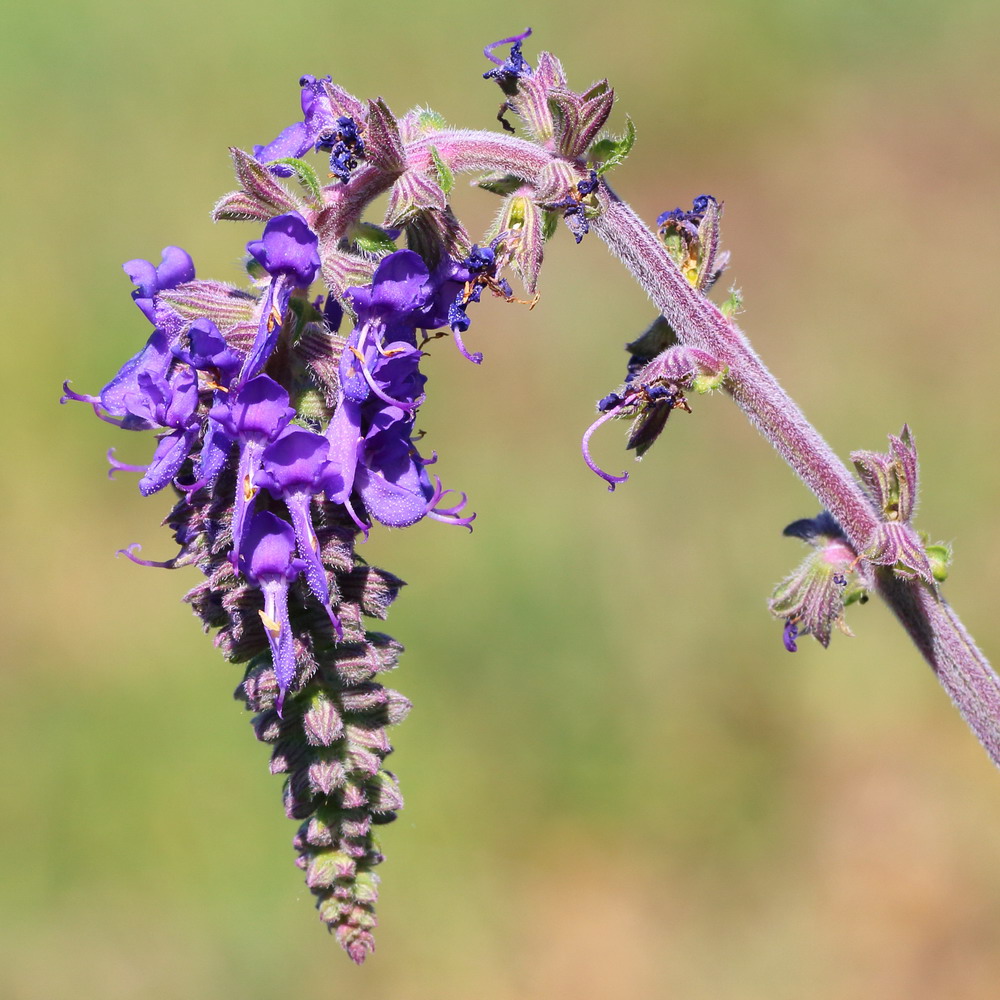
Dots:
(589, 185)
(789, 635)
(344, 145)
(333, 313)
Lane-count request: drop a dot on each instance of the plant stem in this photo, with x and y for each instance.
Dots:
(933, 626)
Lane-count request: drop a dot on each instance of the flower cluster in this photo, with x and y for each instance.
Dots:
(283, 442)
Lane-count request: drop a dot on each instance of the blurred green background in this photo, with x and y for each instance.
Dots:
(618, 782)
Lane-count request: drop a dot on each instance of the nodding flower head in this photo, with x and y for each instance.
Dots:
(812, 599)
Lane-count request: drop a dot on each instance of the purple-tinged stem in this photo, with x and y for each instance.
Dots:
(936, 630)
(933, 626)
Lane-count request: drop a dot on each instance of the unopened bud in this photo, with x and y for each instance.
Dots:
(321, 721)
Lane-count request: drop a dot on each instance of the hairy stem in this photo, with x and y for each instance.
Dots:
(933, 626)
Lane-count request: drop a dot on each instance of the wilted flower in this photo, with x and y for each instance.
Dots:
(812, 600)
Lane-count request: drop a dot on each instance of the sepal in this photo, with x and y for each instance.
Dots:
(306, 176)
(891, 478)
(608, 152)
(438, 235)
(383, 145)
(261, 193)
(413, 193)
(579, 117)
(811, 600)
(530, 101)
(692, 240)
(522, 221)
(896, 544)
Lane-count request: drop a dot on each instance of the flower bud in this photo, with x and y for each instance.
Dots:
(325, 867)
(321, 720)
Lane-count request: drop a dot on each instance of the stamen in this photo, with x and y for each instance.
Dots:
(129, 554)
(476, 358)
(611, 480)
(269, 623)
(362, 527)
(381, 393)
(488, 51)
(117, 466)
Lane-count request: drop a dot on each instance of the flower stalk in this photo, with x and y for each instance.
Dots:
(285, 441)
(936, 630)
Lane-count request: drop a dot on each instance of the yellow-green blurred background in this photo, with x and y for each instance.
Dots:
(618, 783)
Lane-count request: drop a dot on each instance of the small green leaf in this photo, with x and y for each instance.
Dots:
(734, 304)
(709, 383)
(305, 175)
(940, 558)
(428, 119)
(550, 220)
(855, 594)
(608, 153)
(373, 239)
(446, 179)
(501, 184)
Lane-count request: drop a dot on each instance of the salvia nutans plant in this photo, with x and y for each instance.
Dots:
(284, 417)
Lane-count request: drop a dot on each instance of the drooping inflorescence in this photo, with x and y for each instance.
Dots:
(285, 441)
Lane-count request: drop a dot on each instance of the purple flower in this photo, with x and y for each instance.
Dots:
(288, 248)
(155, 357)
(381, 355)
(208, 352)
(254, 416)
(156, 402)
(175, 268)
(298, 139)
(294, 468)
(289, 252)
(268, 561)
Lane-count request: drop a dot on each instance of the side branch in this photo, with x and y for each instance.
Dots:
(933, 626)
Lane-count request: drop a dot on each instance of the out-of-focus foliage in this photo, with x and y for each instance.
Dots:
(618, 782)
